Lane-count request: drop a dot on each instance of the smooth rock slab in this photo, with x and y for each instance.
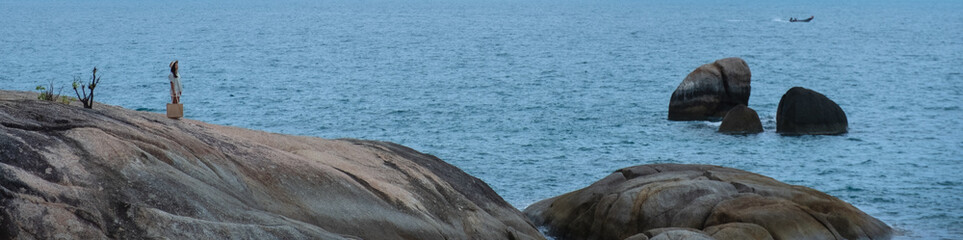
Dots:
(709, 91)
(109, 173)
(642, 198)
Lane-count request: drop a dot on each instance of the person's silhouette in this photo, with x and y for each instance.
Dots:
(175, 83)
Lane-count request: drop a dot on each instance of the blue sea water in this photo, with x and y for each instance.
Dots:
(539, 98)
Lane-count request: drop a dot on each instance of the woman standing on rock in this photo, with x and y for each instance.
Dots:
(175, 83)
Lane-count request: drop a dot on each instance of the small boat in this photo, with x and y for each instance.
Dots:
(803, 20)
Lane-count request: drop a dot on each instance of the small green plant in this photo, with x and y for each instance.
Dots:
(44, 93)
(47, 94)
(66, 99)
(87, 100)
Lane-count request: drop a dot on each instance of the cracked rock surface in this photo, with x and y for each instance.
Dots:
(722, 203)
(111, 173)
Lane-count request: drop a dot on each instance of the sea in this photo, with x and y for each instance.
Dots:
(539, 98)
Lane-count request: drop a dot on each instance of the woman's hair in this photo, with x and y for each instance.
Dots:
(174, 69)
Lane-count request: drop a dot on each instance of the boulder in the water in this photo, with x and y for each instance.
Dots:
(717, 200)
(741, 120)
(709, 91)
(806, 112)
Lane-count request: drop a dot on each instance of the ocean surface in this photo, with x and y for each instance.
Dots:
(539, 98)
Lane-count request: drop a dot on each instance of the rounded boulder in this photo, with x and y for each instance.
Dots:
(803, 111)
(741, 120)
(709, 91)
(720, 202)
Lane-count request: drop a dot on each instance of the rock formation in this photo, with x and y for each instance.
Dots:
(73, 173)
(806, 112)
(724, 203)
(741, 120)
(710, 90)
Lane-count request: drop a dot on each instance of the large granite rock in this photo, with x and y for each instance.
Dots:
(73, 173)
(709, 91)
(723, 202)
(806, 112)
(741, 120)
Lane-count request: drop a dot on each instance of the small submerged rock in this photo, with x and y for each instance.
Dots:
(806, 112)
(709, 91)
(702, 200)
(741, 120)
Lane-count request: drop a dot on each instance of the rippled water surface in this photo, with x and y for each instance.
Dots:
(540, 98)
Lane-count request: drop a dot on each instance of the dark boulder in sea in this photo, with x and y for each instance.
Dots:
(722, 202)
(709, 91)
(741, 120)
(803, 111)
(109, 173)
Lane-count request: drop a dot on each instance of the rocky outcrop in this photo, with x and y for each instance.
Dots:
(741, 120)
(803, 111)
(73, 173)
(709, 91)
(724, 203)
